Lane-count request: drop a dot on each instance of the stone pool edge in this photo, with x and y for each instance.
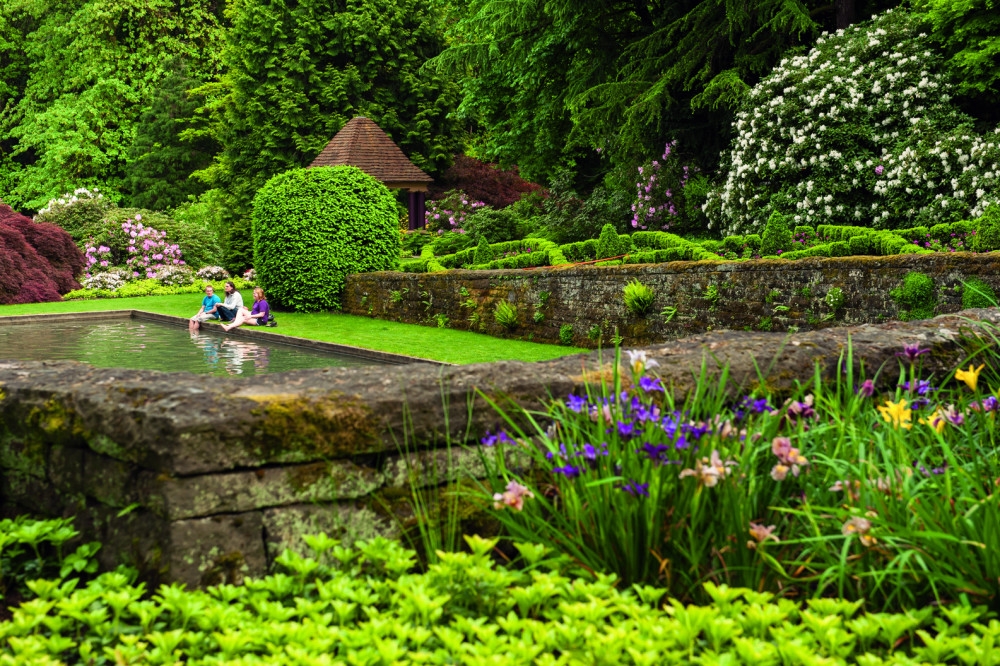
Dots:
(251, 333)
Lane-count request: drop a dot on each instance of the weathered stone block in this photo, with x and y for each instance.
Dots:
(190, 497)
(219, 549)
(349, 522)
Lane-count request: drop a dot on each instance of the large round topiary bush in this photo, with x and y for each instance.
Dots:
(312, 227)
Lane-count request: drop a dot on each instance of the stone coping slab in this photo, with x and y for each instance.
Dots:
(253, 333)
(180, 424)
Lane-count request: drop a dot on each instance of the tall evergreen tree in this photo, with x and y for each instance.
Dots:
(298, 70)
(161, 160)
(551, 80)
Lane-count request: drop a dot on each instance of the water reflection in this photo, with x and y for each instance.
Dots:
(145, 345)
(234, 357)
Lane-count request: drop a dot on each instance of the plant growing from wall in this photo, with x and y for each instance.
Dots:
(834, 298)
(538, 317)
(566, 334)
(711, 295)
(668, 313)
(978, 294)
(916, 296)
(312, 227)
(639, 298)
(594, 334)
(505, 314)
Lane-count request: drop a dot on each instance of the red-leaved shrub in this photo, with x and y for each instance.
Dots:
(483, 181)
(38, 261)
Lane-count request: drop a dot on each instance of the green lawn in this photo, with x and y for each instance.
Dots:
(441, 344)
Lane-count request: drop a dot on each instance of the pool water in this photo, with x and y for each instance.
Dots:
(146, 345)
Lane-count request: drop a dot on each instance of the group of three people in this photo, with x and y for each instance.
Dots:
(232, 309)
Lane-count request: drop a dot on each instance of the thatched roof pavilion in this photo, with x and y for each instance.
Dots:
(362, 144)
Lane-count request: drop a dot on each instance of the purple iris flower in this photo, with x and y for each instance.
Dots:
(590, 452)
(549, 455)
(922, 387)
(627, 430)
(867, 389)
(569, 471)
(911, 352)
(576, 404)
(635, 488)
(649, 384)
(696, 431)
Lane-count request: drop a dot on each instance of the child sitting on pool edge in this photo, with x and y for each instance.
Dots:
(259, 316)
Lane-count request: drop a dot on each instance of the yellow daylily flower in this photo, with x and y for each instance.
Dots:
(970, 376)
(896, 414)
(935, 420)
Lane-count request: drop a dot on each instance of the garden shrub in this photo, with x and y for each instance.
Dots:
(609, 244)
(659, 202)
(76, 212)
(566, 335)
(978, 294)
(484, 254)
(568, 218)
(777, 237)
(916, 296)
(450, 242)
(312, 227)
(38, 261)
(147, 287)
(494, 226)
(138, 247)
(988, 235)
(112, 280)
(484, 181)
(212, 273)
(198, 244)
(753, 241)
(414, 241)
(859, 130)
(450, 211)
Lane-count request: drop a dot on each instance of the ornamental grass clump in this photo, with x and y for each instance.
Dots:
(839, 489)
(860, 130)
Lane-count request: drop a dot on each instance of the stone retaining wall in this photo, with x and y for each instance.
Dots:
(771, 295)
(198, 480)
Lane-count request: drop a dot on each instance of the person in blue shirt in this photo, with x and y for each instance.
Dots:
(208, 309)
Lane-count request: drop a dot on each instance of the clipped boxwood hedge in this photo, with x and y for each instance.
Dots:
(313, 227)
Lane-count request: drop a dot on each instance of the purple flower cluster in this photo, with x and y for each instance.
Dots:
(451, 212)
(654, 203)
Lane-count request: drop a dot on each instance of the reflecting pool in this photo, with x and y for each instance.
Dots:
(147, 345)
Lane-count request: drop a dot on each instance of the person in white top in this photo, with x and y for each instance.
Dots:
(228, 308)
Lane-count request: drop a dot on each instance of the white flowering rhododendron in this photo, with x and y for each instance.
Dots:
(859, 131)
(68, 199)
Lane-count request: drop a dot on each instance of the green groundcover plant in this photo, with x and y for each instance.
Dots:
(839, 490)
(372, 604)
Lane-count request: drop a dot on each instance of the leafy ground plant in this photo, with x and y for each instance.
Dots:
(370, 604)
(639, 298)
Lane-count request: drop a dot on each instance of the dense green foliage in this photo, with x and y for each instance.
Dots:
(969, 34)
(484, 254)
(916, 296)
(988, 235)
(311, 227)
(291, 85)
(867, 489)
(978, 294)
(160, 162)
(82, 72)
(370, 604)
(639, 298)
(554, 80)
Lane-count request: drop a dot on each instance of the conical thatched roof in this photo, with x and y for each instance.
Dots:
(363, 144)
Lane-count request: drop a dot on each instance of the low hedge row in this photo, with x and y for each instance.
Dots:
(660, 246)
